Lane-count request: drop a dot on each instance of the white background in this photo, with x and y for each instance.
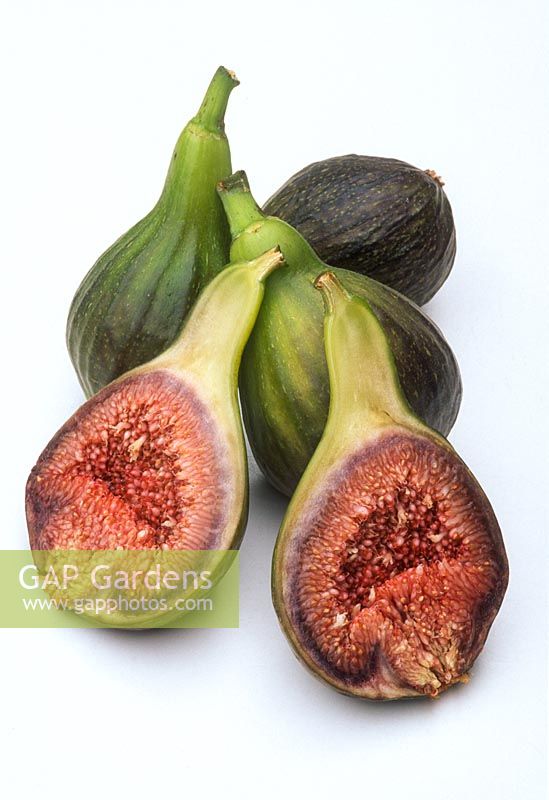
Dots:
(93, 98)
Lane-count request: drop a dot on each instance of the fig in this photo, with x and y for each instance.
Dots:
(284, 388)
(156, 459)
(389, 567)
(131, 304)
(378, 216)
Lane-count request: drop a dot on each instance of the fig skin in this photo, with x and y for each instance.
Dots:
(389, 567)
(157, 460)
(284, 387)
(131, 304)
(376, 216)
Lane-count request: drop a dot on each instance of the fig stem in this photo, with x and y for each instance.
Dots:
(238, 202)
(211, 114)
(332, 290)
(364, 386)
(267, 263)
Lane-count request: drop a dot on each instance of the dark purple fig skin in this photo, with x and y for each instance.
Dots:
(376, 216)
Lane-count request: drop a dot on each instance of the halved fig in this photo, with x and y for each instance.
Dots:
(389, 567)
(156, 460)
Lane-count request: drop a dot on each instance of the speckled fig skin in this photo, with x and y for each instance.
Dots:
(377, 216)
(157, 460)
(284, 379)
(389, 567)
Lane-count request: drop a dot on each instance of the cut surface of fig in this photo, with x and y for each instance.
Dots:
(395, 575)
(142, 465)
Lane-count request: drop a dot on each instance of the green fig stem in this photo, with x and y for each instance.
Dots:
(333, 292)
(211, 114)
(365, 390)
(263, 265)
(238, 202)
(211, 342)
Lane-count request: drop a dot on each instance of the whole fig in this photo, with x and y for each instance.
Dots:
(284, 386)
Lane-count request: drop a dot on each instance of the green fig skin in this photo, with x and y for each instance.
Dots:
(284, 386)
(131, 304)
(389, 566)
(376, 216)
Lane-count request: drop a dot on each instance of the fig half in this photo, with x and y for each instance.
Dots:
(156, 460)
(389, 567)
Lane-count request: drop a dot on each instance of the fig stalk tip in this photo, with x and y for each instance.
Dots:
(236, 183)
(268, 262)
(332, 290)
(211, 114)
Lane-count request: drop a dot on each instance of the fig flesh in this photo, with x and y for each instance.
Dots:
(377, 216)
(156, 460)
(389, 567)
(284, 379)
(119, 472)
(131, 304)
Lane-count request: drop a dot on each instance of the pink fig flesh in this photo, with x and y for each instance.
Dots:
(139, 466)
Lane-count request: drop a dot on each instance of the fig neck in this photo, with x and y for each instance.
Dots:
(211, 342)
(211, 114)
(365, 391)
(201, 154)
(253, 232)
